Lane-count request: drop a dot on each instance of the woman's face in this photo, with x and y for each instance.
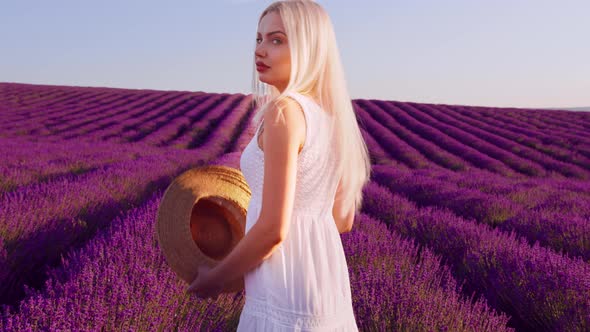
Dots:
(272, 50)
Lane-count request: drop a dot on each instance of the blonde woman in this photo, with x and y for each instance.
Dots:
(306, 166)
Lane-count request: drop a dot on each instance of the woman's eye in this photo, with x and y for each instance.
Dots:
(277, 39)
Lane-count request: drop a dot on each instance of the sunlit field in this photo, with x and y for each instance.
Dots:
(475, 219)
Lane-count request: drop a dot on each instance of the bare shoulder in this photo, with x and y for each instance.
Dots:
(285, 122)
(286, 109)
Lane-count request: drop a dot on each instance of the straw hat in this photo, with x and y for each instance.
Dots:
(201, 218)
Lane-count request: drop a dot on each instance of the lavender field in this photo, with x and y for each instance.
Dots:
(475, 219)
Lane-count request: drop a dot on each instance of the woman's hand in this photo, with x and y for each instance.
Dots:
(204, 286)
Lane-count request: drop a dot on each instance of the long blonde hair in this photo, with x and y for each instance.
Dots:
(316, 70)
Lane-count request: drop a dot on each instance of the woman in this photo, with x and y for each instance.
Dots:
(306, 167)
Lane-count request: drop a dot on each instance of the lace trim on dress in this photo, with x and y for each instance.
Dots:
(291, 318)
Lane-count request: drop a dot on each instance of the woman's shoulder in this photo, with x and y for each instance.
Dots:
(306, 98)
(289, 117)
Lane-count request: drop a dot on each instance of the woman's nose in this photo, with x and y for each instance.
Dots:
(259, 52)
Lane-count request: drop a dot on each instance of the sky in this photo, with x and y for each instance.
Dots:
(500, 53)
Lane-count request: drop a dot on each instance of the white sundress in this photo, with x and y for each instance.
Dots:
(304, 285)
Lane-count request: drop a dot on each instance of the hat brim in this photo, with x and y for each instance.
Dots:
(216, 190)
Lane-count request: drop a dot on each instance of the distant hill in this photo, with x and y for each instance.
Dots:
(579, 109)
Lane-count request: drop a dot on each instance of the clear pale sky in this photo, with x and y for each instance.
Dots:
(504, 53)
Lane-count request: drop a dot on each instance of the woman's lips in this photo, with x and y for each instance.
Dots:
(261, 68)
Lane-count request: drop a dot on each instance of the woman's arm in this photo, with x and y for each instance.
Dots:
(344, 225)
(257, 245)
(282, 137)
(343, 221)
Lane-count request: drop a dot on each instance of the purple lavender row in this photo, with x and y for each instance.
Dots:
(85, 97)
(243, 131)
(395, 147)
(425, 146)
(115, 121)
(34, 116)
(547, 140)
(567, 150)
(584, 148)
(527, 147)
(543, 120)
(27, 162)
(528, 283)
(546, 135)
(540, 163)
(241, 122)
(465, 138)
(529, 191)
(399, 286)
(573, 124)
(33, 218)
(112, 117)
(582, 144)
(160, 117)
(137, 125)
(51, 124)
(72, 117)
(225, 120)
(566, 119)
(539, 139)
(204, 125)
(65, 117)
(120, 280)
(180, 125)
(578, 119)
(8, 93)
(113, 93)
(17, 106)
(468, 154)
(560, 228)
(39, 112)
(247, 128)
(378, 155)
(14, 98)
